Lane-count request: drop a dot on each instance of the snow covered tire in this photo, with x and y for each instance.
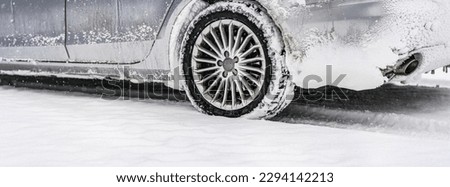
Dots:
(234, 64)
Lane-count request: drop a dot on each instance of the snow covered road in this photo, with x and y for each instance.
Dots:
(390, 126)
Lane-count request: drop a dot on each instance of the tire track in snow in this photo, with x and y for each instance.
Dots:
(409, 110)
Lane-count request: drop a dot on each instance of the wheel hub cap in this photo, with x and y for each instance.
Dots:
(228, 64)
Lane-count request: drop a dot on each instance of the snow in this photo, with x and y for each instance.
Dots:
(48, 128)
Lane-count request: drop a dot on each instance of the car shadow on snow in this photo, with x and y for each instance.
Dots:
(392, 109)
(387, 99)
(108, 89)
(388, 107)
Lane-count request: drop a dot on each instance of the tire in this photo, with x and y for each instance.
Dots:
(234, 64)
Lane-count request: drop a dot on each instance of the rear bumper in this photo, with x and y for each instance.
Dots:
(430, 58)
(357, 35)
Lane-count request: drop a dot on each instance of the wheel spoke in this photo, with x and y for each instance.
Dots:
(216, 50)
(250, 60)
(216, 38)
(233, 94)
(245, 74)
(244, 44)
(209, 77)
(207, 69)
(205, 61)
(225, 94)
(213, 84)
(209, 53)
(246, 86)
(218, 90)
(223, 34)
(249, 51)
(230, 36)
(238, 40)
(239, 88)
(249, 68)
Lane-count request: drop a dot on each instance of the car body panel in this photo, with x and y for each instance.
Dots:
(113, 31)
(32, 29)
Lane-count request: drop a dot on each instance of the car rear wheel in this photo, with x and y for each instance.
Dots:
(231, 69)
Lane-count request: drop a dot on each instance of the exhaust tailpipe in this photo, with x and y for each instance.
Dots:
(408, 67)
(404, 68)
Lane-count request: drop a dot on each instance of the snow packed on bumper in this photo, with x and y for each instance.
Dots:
(352, 59)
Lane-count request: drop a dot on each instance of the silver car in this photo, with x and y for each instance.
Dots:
(232, 57)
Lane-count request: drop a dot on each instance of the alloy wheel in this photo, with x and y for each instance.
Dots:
(228, 64)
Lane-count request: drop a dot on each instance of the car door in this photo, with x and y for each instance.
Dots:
(32, 29)
(113, 31)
